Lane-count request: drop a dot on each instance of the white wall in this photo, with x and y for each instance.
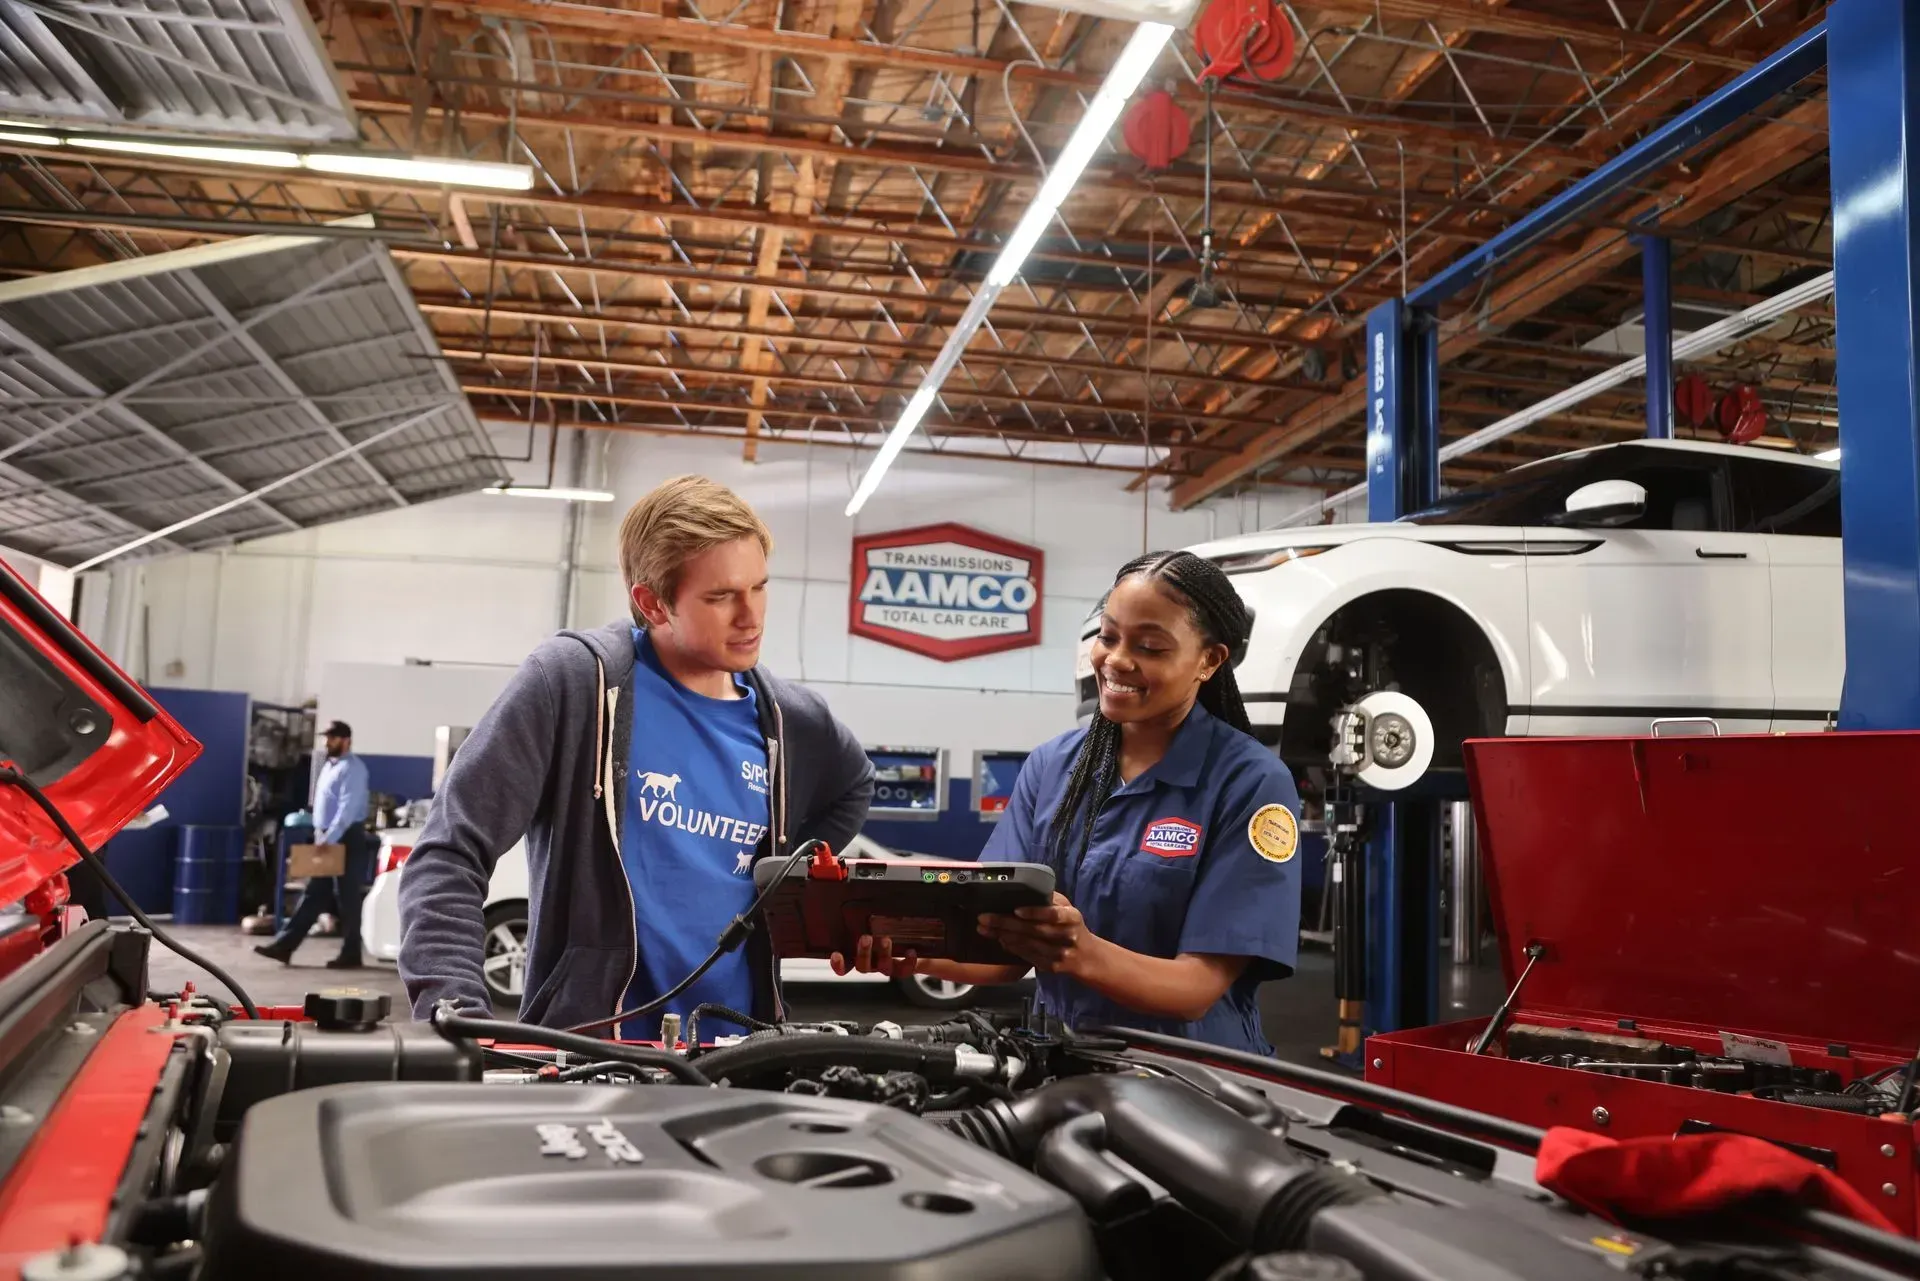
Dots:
(471, 584)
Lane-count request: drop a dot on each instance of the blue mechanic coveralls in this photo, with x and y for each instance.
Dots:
(1198, 854)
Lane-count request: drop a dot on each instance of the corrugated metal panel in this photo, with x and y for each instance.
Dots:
(251, 68)
(141, 394)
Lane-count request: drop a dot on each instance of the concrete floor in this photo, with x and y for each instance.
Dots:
(1298, 1013)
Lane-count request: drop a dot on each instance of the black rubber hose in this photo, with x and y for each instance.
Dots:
(1242, 1179)
(1857, 1237)
(809, 1051)
(989, 1130)
(465, 1027)
(1524, 1138)
(10, 774)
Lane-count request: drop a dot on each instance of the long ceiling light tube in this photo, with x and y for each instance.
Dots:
(1148, 39)
(1701, 341)
(447, 171)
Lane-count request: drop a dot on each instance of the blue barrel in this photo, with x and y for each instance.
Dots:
(206, 876)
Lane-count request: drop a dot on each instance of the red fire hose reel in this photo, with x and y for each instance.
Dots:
(1248, 38)
(1692, 400)
(1740, 416)
(1157, 131)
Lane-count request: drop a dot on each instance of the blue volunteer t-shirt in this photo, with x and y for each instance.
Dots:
(696, 808)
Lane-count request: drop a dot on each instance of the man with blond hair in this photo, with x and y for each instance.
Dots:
(649, 764)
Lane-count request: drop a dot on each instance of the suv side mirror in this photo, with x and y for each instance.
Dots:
(1605, 503)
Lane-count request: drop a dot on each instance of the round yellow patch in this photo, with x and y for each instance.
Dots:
(1275, 836)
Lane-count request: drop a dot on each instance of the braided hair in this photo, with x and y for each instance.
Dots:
(1221, 618)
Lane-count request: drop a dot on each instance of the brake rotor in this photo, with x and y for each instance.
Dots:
(1399, 741)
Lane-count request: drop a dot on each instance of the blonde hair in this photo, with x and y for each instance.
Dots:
(676, 522)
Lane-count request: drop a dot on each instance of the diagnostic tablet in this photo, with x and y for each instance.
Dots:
(930, 907)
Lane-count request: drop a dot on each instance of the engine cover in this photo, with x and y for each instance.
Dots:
(554, 1181)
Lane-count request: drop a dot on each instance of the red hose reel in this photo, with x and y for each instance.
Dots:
(1157, 131)
(1251, 39)
(1740, 416)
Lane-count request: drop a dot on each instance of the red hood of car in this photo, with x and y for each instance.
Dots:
(75, 724)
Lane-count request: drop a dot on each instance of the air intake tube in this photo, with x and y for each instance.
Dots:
(1242, 1179)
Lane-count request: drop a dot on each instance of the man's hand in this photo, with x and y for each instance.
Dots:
(871, 956)
(1053, 939)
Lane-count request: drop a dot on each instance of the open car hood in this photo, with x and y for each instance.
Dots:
(86, 735)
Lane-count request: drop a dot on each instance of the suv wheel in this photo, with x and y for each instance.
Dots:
(934, 994)
(505, 964)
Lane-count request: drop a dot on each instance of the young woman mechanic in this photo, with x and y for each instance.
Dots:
(1172, 833)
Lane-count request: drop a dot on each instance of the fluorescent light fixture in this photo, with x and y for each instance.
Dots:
(1174, 13)
(436, 169)
(1829, 455)
(547, 491)
(1148, 39)
(190, 151)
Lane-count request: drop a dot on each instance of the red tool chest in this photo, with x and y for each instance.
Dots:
(1694, 891)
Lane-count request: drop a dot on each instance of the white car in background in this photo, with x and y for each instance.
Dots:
(1596, 592)
(506, 927)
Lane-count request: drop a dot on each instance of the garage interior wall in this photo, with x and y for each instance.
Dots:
(470, 585)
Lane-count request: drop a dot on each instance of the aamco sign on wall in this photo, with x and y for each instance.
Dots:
(946, 591)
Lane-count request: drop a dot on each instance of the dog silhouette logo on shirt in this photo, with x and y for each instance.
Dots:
(659, 785)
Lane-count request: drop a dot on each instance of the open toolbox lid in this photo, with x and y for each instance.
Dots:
(86, 735)
(1759, 884)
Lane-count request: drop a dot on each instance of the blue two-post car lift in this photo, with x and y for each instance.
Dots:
(1871, 49)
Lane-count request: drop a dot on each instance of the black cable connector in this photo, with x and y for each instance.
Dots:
(730, 940)
(710, 1009)
(456, 1026)
(12, 774)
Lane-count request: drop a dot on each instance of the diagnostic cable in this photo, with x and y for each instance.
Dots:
(10, 773)
(730, 940)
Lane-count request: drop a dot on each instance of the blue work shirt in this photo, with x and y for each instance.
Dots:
(696, 808)
(339, 798)
(1198, 854)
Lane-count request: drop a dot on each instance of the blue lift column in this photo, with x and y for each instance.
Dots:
(1876, 237)
(1403, 841)
(1656, 281)
(1873, 97)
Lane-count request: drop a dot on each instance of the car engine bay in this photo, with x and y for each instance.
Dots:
(331, 1142)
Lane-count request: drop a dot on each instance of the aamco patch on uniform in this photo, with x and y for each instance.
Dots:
(1172, 838)
(1275, 836)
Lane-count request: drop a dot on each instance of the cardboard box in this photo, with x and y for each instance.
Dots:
(316, 860)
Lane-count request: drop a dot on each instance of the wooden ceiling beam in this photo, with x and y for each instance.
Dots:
(1112, 326)
(694, 375)
(624, 24)
(629, 319)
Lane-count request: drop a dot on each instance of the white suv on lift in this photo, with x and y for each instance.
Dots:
(1595, 592)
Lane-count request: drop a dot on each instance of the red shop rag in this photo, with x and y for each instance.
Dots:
(1656, 1178)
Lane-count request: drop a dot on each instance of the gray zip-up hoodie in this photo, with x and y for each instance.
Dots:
(549, 761)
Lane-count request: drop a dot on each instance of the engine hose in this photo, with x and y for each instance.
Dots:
(456, 1026)
(1242, 1179)
(762, 1054)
